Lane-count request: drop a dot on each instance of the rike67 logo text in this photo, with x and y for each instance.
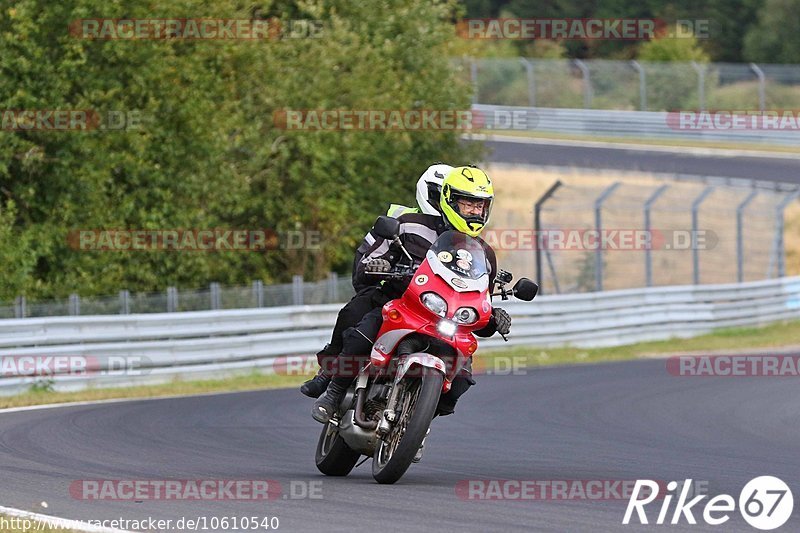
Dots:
(765, 503)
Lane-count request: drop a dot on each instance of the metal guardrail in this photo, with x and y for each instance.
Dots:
(209, 344)
(617, 123)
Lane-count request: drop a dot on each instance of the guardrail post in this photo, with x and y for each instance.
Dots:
(648, 259)
(216, 300)
(297, 290)
(20, 307)
(695, 251)
(762, 87)
(740, 233)
(258, 292)
(537, 228)
(473, 74)
(124, 302)
(333, 287)
(587, 83)
(74, 304)
(642, 85)
(598, 226)
(701, 84)
(172, 299)
(531, 80)
(780, 251)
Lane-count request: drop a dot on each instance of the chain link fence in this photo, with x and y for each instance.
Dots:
(593, 238)
(633, 85)
(334, 289)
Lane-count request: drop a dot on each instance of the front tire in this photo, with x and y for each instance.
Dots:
(394, 454)
(334, 457)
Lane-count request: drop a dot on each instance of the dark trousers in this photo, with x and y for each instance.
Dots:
(366, 300)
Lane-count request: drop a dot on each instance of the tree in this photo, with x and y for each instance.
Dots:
(776, 36)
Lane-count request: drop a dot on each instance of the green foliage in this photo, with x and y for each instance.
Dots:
(208, 154)
(776, 36)
(673, 49)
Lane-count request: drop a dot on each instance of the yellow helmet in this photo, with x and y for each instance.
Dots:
(463, 186)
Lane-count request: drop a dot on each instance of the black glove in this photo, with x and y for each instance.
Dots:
(502, 321)
(379, 265)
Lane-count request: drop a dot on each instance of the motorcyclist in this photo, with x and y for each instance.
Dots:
(367, 296)
(465, 204)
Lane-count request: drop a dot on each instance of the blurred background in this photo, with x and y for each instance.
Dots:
(201, 147)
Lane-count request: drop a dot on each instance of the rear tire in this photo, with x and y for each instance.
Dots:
(389, 465)
(334, 457)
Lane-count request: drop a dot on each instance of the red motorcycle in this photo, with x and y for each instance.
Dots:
(424, 342)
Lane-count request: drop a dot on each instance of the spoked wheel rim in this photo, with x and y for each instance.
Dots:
(388, 445)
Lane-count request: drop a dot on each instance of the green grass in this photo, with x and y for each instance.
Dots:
(773, 336)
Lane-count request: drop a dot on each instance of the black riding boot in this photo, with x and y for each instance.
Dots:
(325, 407)
(315, 386)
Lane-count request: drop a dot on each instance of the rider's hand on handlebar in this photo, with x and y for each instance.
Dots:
(502, 320)
(379, 265)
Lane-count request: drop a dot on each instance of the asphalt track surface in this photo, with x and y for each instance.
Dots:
(762, 168)
(614, 421)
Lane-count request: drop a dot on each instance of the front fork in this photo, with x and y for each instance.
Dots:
(420, 360)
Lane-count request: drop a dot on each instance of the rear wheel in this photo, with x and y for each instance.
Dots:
(416, 406)
(334, 457)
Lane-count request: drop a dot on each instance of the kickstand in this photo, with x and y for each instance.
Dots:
(366, 458)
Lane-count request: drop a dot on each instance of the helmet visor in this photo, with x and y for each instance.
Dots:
(471, 208)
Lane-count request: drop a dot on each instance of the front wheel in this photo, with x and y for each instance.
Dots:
(334, 457)
(417, 405)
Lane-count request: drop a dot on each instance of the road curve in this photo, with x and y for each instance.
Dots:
(615, 421)
(776, 168)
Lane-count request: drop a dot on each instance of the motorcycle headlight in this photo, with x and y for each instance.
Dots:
(466, 315)
(434, 302)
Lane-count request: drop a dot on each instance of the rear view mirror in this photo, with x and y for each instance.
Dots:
(525, 289)
(387, 227)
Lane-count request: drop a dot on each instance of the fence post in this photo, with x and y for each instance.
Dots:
(648, 259)
(124, 302)
(20, 307)
(333, 287)
(587, 83)
(779, 224)
(216, 301)
(172, 299)
(598, 226)
(74, 304)
(473, 74)
(297, 290)
(762, 87)
(695, 251)
(258, 292)
(537, 228)
(739, 233)
(701, 84)
(642, 85)
(531, 80)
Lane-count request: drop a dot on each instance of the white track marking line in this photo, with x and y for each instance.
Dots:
(55, 522)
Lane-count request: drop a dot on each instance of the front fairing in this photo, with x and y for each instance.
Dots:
(459, 287)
